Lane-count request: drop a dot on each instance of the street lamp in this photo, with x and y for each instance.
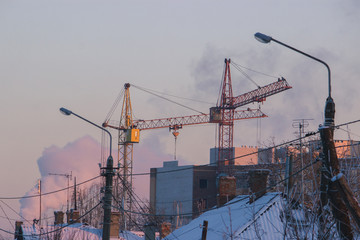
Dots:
(108, 176)
(329, 105)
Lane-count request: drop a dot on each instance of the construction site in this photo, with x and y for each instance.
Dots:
(179, 120)
(300, 183)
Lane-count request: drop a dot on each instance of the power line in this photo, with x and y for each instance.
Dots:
(245, 155)
(58, 229)
(7, 216)
(48, 193)
(229, 203)
(15, 211)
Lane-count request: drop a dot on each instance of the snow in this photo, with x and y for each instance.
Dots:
(73, 231)
(240, 219)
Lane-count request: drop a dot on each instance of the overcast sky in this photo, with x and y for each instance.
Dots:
(79, 54)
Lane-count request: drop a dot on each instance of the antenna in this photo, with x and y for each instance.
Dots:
(39, 190)
(301, 124)
(69, 177)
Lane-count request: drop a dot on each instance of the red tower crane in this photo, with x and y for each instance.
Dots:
(224, 114)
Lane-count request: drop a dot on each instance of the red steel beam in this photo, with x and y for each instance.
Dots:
(260, 94)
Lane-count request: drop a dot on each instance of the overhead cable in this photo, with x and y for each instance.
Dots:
(58, 229)
(169, 100)
(48, 193)
(238, 65)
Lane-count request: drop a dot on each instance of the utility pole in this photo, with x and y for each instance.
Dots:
(75, 203)
(337, 189)
(331, 165)
(109, 172)
(288, 174)
(204, 230)
(39, 190)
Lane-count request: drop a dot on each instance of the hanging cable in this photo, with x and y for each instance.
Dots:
(48, 193)
(244, 73)
(7, 217)
(169, 100)
(64, 226)
(255, 71)
(170, 95)
(114, 106)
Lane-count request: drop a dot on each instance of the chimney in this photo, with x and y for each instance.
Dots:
(165, 229)
(115, 225)
(59, 217)
(258, 183)
(227, 190)
(149, 231)
(18, 230)
(72, 216)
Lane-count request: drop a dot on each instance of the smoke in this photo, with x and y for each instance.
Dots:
(81, 158)
(305, 100)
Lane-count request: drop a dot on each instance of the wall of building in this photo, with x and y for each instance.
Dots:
(204, 189)
(277, 173)
(246, 155)
(171, 191)
(243, 155)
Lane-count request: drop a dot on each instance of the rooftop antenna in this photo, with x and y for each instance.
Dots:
(301, 124)
(75, 203)
(69, 177)
(39, 191)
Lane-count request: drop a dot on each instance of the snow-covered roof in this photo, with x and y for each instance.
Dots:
(240, 219)
(73, 231)
(30, 232)
(127, 235)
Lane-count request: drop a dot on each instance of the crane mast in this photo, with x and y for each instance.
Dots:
(123, 183)
(226, 125)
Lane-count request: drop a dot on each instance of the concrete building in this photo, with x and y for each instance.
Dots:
(243, 155)
(181, 192)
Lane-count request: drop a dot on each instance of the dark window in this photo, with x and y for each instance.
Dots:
(203, 183)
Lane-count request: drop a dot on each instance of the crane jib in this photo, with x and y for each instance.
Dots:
(260, 94)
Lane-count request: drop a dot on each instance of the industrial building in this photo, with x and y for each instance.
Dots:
(181, 193)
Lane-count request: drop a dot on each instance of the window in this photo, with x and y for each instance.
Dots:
(203, 183)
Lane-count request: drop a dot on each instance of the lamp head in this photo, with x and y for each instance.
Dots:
(65, 111)
(262, 37)
(329, 112)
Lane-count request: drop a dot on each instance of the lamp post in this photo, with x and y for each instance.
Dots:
(331, 166)
(329, 105)
(108, 176)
